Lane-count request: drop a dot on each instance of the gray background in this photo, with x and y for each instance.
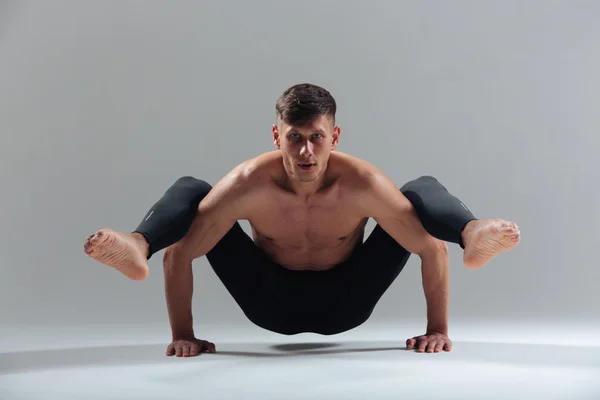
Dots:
(105, 103)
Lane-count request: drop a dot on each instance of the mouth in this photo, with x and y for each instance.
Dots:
(306, 166)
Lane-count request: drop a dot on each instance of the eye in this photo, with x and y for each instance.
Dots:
(317, 135)
(294, 135)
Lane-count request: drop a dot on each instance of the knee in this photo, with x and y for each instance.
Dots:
(191, 181)
(426, 178)
(419, 182)
(191, 185)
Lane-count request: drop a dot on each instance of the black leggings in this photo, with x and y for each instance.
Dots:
(290, 302)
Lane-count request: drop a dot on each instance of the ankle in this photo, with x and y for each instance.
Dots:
(466, 232)
(142, 243)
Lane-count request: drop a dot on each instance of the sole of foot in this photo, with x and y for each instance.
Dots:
(121, 251)
(485, 239)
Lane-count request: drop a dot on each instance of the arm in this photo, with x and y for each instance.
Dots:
(215, 216)
(396, 215)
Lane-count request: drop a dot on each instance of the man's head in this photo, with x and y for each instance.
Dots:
(305, 131)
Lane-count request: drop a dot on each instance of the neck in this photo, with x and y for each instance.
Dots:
(304, 189)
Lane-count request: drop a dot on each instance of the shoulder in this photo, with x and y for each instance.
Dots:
(370, 189)
(249, 177)
(240, 189)
(358, 174)
(255, 170)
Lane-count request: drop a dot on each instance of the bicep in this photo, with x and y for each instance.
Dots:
(405, 227)
(207, 229)
(215, 216)
(396, 215)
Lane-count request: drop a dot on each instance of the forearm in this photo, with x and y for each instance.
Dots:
(436, 285)
(179, 288)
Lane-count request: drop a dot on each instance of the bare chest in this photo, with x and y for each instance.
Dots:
(307, 235)
(306, 226)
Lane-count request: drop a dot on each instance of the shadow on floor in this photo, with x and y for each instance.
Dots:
(499, 353)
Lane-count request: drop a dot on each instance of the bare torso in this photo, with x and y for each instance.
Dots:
(308, 233)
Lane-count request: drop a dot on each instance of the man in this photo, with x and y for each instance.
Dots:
(306, 269)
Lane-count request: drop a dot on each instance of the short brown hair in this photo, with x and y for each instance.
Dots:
(303, 103)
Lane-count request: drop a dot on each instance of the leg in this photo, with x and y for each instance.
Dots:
(356, 286)
(442, 215)
(165, 223)
(262, 289)
(169, 219)
(447, 218)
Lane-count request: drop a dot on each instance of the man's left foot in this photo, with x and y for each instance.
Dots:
(485, 239)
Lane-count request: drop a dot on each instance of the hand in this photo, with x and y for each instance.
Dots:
(432, 342)
(189, 347)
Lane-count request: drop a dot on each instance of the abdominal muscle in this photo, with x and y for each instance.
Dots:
(304, 254)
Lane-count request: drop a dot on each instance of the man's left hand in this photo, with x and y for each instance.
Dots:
(433, 342)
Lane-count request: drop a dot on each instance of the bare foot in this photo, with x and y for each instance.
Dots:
(123, 251)
(485, 239)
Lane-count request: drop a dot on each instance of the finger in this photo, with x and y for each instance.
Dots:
(204, 346)
(448, 346)
(194, 350)
(410, 343)
(431, 346)
(439, 346)
(186, 350)
(422, 346)
(178, 351)
(170, 350)
(210, 347)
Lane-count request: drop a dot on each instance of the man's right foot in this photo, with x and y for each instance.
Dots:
(125, 252)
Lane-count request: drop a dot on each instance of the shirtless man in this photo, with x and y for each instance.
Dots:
(306, 268)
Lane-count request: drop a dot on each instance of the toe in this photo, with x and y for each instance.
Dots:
(99, 237)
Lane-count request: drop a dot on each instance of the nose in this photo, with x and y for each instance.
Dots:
(306, 149)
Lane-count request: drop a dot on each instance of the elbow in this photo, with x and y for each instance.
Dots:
(433, 249)
(175, 256)
(441, 247)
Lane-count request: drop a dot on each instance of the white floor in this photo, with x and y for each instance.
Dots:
(498, 361)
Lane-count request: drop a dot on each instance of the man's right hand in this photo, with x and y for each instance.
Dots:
(190, 347)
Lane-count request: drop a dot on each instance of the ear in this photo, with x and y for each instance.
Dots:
(276, 137)
(335, 137)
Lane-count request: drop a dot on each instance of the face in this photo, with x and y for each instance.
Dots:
(306, 149)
